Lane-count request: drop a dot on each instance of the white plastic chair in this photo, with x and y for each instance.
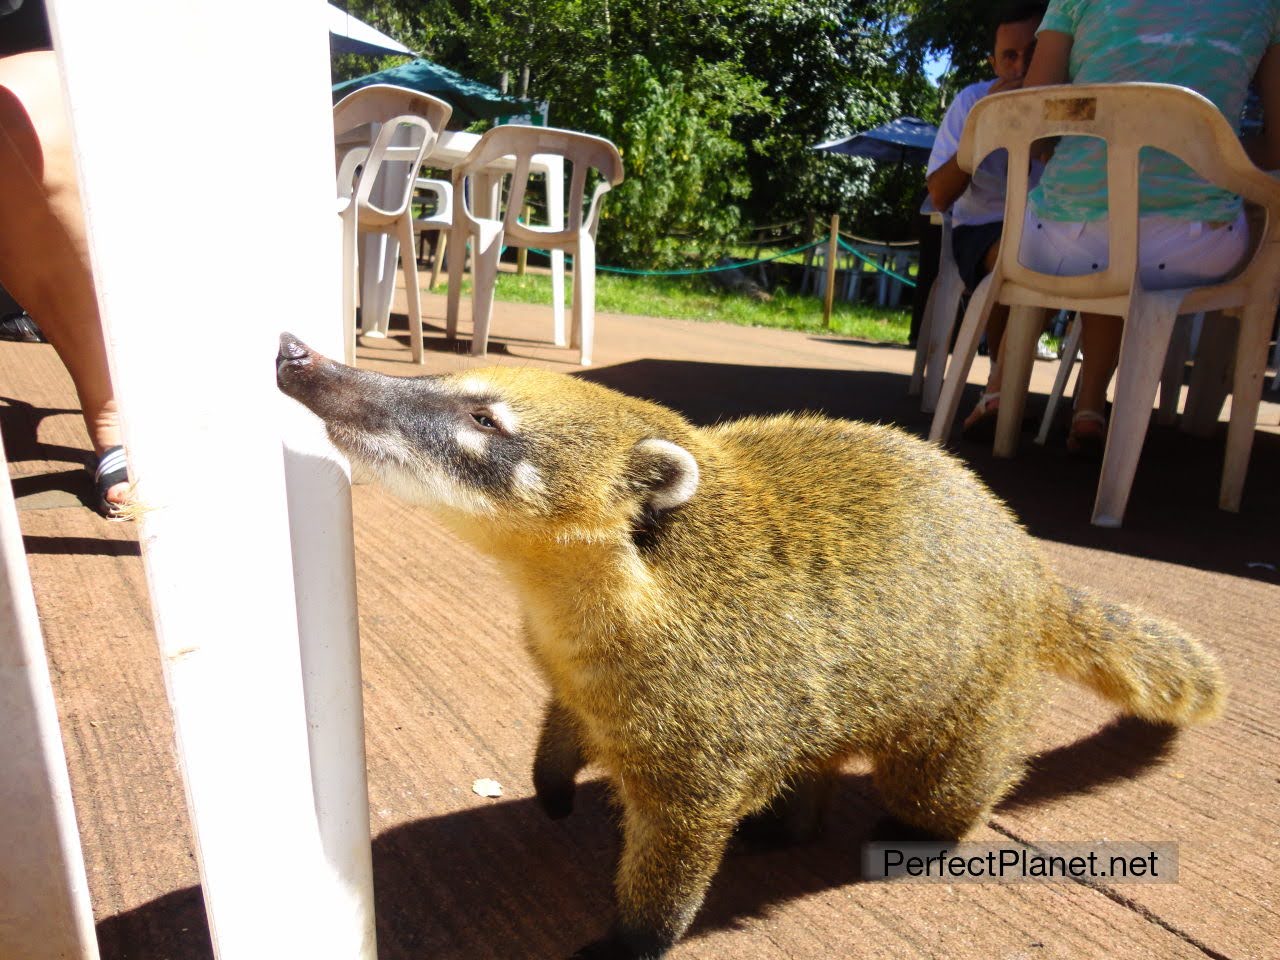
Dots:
(398, 113)
(1128, 117)
(939, 320)
(577, 237)
(440, 220)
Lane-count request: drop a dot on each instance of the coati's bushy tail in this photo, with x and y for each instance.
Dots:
(1149, 667)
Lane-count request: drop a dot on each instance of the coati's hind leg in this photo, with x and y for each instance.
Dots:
(794, 816)
(557, 761)
(947, 784)
(670, 853)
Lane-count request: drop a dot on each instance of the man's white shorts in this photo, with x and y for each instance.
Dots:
(1171, 253)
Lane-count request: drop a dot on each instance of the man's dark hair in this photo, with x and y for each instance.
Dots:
(1016, 12)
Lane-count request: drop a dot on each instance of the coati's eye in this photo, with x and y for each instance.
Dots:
(484, 421)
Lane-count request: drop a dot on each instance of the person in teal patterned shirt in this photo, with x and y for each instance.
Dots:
(1190, 232)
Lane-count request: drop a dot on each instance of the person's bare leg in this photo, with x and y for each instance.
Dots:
(44, 257)
(1100, 343)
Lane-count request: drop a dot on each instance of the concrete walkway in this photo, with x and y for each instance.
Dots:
(451, 697)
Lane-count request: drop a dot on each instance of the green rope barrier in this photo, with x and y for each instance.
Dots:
(865, 259)
(737, 266)
(690, 273)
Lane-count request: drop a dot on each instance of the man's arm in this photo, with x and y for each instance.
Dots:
(948, 181)
(1264, 148)
(946, 184)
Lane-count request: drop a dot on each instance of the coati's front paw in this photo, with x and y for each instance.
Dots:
(556, 799)
(624, 946)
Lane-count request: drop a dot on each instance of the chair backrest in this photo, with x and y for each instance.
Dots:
(1129, 117)
(520, 142)
(379, 102)
(393, 110)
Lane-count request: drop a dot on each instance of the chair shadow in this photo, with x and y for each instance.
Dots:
(1173, 513)
(502, 880)
(435, 340)
(81, 546)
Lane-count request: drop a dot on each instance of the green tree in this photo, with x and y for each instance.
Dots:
(715, 104)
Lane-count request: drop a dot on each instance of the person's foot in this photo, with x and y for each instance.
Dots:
(980, 424)
(112, 491)
(20, 328)
(1088, 436)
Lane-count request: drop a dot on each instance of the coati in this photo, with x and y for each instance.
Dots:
(725, 614)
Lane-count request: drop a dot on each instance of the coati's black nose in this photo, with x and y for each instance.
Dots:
(291, 348)
(294, 361)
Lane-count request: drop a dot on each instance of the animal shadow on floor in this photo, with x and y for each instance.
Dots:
(501, 880)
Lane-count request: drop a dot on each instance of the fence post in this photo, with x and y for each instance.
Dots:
(833, 248)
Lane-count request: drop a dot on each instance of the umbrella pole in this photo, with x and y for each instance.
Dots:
(832, 248)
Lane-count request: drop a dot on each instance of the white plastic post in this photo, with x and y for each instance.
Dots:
(44, 894)
(169, 122)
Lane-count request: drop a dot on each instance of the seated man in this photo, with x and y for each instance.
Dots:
(976, 203)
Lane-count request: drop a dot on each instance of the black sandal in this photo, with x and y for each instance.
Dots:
(20, 328)
(112, 469)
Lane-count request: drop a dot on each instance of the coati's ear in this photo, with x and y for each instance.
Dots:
(665, 473)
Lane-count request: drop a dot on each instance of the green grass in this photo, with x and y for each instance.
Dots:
(695, 298)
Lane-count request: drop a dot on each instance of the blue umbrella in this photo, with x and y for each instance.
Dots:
(903, 139)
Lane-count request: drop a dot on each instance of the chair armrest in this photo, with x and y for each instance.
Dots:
(443, 191)
(593, 212)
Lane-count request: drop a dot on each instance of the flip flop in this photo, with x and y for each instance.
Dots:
(20, 328)
(980, 425)
(112, 469)
(1087, 444)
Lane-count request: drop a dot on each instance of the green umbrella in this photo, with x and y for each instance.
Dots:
(471, 100)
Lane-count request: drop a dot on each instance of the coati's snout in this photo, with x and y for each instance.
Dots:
(510, 445)
(303, 374)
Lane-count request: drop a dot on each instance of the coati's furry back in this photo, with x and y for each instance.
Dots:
(725, 614)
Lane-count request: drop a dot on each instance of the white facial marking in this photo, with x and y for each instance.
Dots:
(504, 417)
(528, 478)
(472, 441)
(474, 386)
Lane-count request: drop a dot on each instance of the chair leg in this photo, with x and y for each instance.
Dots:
(1275, 364)
(413, 296)
(1175, 365)
(1144, 344)
(442, 241)
(975, 321)
(558, 336)
(1070, 348)
(584, 298)
(1211, 374)
(1017, 356)
(1246, 393)
(916, 383)
(943, 323)
(555, 218)
(350, 283)
(484, 280)
(457, 262)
